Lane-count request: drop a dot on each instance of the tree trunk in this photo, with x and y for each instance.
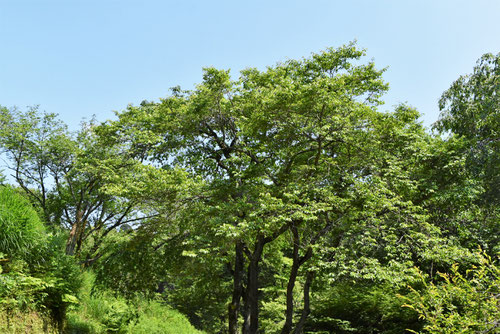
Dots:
(297, 263)
(299, 329)
(287, 327)
(73, 235)
(234, 306)
(251, 321)
(79, 236)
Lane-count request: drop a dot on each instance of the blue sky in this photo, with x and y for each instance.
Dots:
(79, 58)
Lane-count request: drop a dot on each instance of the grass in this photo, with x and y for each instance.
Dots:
(106, 313)
(157, 318)
(20, 226)
(32, 322)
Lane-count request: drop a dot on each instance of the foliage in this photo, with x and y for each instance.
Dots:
(105, 312)
(35, 273)
(77, 179)
(155, 317)
(21, 232)
(458, 302)
(27, 322)
(360, 308)
(471, 109)
(139, 263)
(130, 265)
(280, 201)
(466, 166)
(19, 291)
(20, 228)
(62, 271)
(50, 289)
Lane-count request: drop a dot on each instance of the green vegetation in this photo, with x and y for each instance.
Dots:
(282, 201)
(37, 280)
(103, 312)
(468, 302)
(26, 322)
(20, 227)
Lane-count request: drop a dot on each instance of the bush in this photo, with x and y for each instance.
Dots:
(460, 303)
(105, 312)
(100, 312)
(27, 322)
(61, 270)
(360, 308)
(35, 273)
(20, 227)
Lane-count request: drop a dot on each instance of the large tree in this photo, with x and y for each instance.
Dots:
(293, 159)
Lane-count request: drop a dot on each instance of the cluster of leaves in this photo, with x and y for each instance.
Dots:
(460, 303)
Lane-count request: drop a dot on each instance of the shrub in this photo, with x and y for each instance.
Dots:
(360, 308)
(105, 312)
(460, 303)
(61, 271)
(20, 227)
(35, 273)
(99, 311)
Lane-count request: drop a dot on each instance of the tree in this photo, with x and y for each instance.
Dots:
(470, 158)
(78, 180)
(470, 109)
(459, 190)
(294, 156)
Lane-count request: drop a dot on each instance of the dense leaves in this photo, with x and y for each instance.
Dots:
(460, 303)
(471, 110)
(21, 230)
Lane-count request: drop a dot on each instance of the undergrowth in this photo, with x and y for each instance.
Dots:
(104, 312)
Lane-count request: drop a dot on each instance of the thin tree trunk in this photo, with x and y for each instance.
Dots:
(234, 306)
(287, 327)
(297, 263)
(251, 321)
(299, 329)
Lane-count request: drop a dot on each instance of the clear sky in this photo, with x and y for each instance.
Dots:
(79, 58)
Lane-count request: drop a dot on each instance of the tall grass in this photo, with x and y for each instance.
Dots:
(104, 312)
(20, 226)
